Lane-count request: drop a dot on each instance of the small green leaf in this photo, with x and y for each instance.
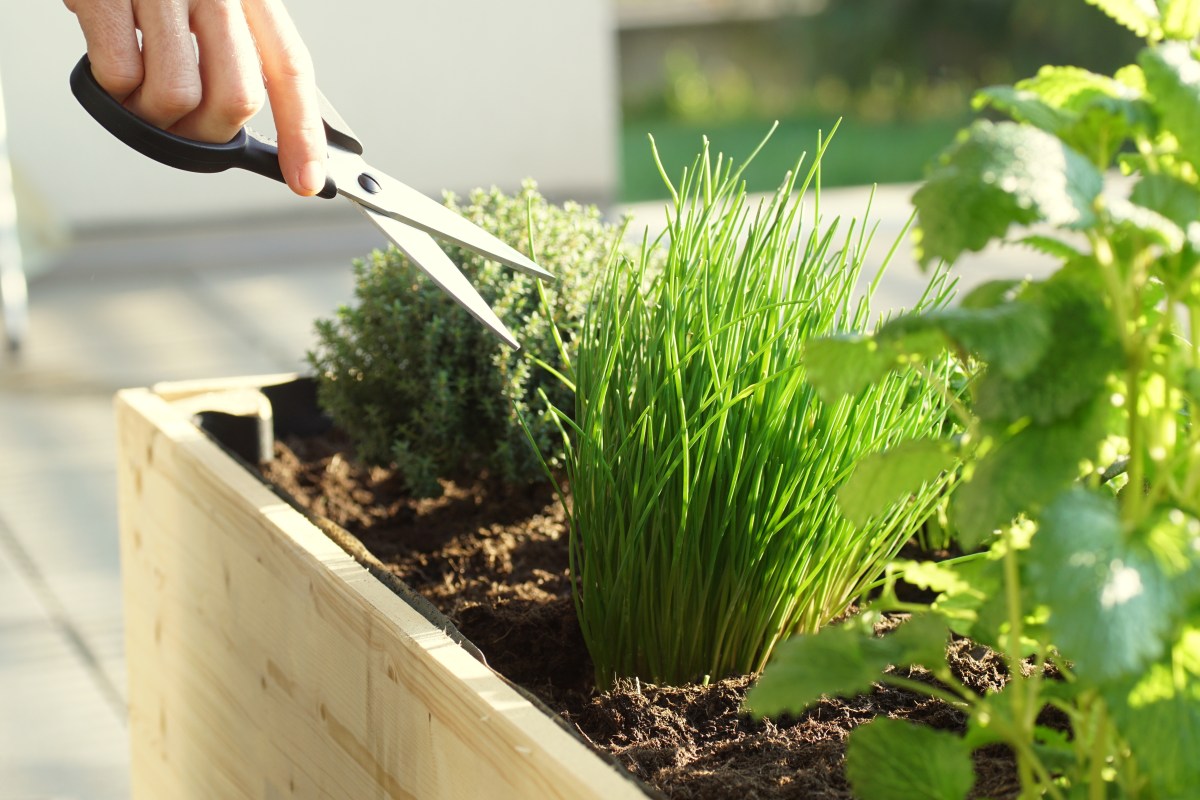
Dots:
(1158, 713)
(1026, 471)
(889, 759)
(1173, 78)
(1050, 246)
(1140, 16)
(992, 293)
(844, 660)
(1108, 597)
(1151, 224)
(962, 587)
(1010, 337)
(1023, 106)
(1094, 114)
(1081, 351)
(997, 175)
(883, 478)
(846, 365)
(1181, 19)
(1175, 199)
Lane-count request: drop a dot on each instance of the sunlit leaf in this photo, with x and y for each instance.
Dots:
(1081, 351)
(882, 479)
(1158, 713)
(842, 661)
(846, 365)
(1109, 599)
(889, 759)
(998, 175)
(1026, 471)
(1173, 78)
(1140, 16)
(1175, 199)
(1181, 19)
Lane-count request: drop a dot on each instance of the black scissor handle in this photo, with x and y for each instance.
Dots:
(244, 151)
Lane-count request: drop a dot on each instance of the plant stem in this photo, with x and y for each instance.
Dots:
(1099, 720)
(1016, 632)
(960, 698)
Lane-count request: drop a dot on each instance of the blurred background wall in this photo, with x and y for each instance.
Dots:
(462, 93)
(899, 73)
(446, 95)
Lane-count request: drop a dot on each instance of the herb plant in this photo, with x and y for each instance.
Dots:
(1080, 460)
(702, 467)
(416, 381)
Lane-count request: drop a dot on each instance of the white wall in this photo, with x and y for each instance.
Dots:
(448, 94)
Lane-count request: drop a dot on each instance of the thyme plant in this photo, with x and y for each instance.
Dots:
(1081, 457)
(416, 382)
(702, 467)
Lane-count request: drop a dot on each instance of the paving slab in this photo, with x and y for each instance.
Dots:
(60, 737)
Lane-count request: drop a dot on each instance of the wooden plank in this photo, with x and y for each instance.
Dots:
(264, 662)
(179, 390)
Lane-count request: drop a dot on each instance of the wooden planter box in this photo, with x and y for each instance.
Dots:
(266, 662)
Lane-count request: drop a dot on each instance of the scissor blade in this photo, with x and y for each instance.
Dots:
(403, 203)
(433, 261)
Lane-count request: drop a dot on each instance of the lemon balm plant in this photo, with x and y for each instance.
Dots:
(1081, 454)
(702, 467)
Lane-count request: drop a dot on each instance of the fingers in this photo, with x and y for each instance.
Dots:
(229, 72)
(171, 88)
(211, 97)
(112, 45)
(292, 89)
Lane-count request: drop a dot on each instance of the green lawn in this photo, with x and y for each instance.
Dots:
(861, 153)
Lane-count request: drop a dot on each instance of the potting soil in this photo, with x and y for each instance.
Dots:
(495, 562)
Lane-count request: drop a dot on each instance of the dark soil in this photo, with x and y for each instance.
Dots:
(495, 563)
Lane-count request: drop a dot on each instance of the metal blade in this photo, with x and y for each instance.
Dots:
(433, 261)
(336, 129)
(403, 203)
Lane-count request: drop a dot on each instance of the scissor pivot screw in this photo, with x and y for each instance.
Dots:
(369, 184)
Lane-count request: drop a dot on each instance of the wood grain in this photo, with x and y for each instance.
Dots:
(265, 662)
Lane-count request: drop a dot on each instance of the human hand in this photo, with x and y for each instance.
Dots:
(248, 50)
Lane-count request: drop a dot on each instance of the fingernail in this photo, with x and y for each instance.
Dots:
(312, 177)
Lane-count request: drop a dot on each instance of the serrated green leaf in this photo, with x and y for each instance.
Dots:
(1075, 89)
(1173, 78)
(1175, 199)
(962, 587)
(1050, 246)
(933, 576)
(1151, 224)
(991, 293)
(844, 660)
(1181, 19)
(846, 365)
(1191, 384)
(1109, 600)
(1023, 106)
(1081, 351)
(1093, 113)
(889, 759)
(881, 479)
(997, 175)
(1140, 16)
(1010, 337)
(1025, 471)
(1158, 713)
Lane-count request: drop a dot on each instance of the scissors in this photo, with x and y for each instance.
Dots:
(405, 216)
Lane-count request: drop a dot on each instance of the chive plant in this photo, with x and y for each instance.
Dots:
(703, 469)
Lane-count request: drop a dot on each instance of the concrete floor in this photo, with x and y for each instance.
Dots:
(123, 310)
